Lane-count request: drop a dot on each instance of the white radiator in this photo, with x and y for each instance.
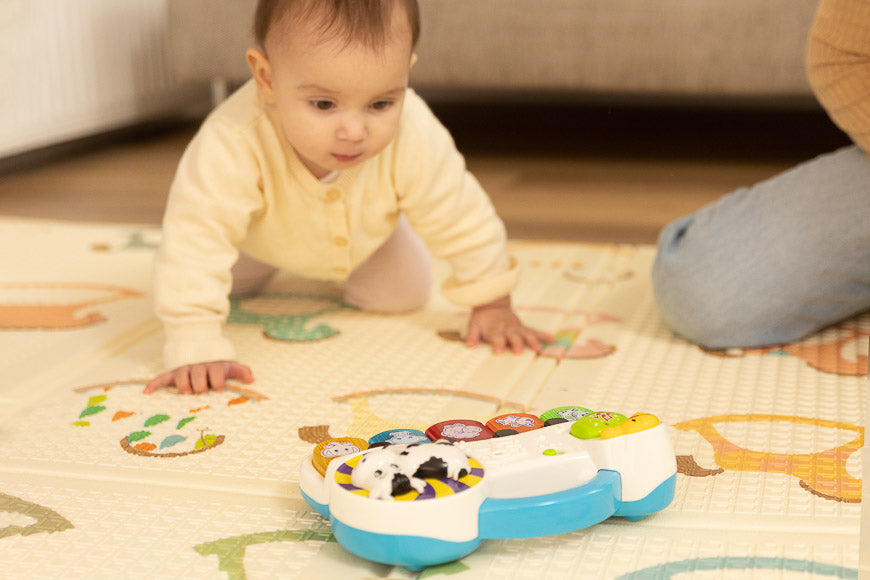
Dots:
(71, 68)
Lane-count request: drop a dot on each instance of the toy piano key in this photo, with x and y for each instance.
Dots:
(513, 423)
(398, 437)
(459, 430)
(634, 424)
(564, 415)
(591, 426)
(328, 450)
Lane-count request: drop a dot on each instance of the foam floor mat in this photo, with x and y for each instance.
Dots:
(98, 480)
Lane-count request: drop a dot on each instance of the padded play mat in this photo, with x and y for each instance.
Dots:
(98, 480)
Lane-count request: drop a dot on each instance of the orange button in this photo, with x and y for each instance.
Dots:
(340, 269)
(333, 195)
(340, 241)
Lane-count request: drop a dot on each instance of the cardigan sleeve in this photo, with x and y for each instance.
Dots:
(838, 65)
(449, 209)
(212, 198)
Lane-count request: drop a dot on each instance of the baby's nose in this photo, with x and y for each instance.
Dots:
(352, 128)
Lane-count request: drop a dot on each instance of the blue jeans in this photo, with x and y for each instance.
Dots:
(774, 262)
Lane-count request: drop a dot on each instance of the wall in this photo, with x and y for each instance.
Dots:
(69, 69)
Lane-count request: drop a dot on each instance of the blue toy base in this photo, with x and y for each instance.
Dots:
(412, 552)
(506, 518)
(657, 500)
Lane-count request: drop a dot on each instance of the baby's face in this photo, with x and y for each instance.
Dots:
(338, 105)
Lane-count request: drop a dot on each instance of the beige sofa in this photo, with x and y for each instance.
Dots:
(733, 51)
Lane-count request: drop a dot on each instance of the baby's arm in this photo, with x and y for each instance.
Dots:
(497, 324)
(198, 378)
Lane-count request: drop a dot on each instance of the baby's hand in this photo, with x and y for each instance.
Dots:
(497, 324)
(198, 378)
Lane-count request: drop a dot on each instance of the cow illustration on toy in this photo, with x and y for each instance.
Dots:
(394, 470)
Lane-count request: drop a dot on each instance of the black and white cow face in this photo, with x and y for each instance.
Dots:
(380, 472)
(397, 469)
(438, 460)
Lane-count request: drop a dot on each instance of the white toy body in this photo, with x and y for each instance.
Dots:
(539, 482)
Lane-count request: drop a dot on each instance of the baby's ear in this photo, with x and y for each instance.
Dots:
(261, 70)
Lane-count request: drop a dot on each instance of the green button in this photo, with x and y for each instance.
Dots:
(550, 452)
(590, 426)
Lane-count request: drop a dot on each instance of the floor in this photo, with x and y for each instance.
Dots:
(557, 171)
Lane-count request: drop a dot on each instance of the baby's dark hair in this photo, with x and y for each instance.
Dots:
(366, 21)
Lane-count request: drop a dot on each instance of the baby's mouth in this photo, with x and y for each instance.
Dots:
(346, 158)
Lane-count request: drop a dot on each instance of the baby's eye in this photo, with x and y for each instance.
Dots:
(323, 105)
(381, 105)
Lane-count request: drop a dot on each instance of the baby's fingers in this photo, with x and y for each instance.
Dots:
(543, 337)
(536, 339)
(199, 379)
(517, 341)
(240, 372)
(473, 338)
(498, 341)
(160, 382)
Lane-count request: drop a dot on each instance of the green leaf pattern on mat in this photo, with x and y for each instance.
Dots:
(95, 405)
(92, 408)
(156, 420)
(92, 411)
(138, 435)
(184, 422)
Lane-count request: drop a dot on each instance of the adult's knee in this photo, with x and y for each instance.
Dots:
(692, 307)
(713, 303)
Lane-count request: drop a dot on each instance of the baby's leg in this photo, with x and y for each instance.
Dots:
(396, 278)
(774, 262)
(250, 276)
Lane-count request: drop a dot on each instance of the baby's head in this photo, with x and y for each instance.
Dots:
(334, 73)
(366, 21)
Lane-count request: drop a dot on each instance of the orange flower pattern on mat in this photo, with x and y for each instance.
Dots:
(828, 357)
(60, 315)
(158, 434)
(823, 474)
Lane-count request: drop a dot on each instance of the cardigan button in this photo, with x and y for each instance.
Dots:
(333, 195)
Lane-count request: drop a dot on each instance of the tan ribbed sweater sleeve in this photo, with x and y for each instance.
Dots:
(838, 65)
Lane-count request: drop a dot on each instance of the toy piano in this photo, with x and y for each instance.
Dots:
(416, 499)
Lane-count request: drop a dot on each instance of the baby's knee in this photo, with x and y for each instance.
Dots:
(250, 276)
(391, 296)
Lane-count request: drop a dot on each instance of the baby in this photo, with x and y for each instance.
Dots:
(326, 165)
